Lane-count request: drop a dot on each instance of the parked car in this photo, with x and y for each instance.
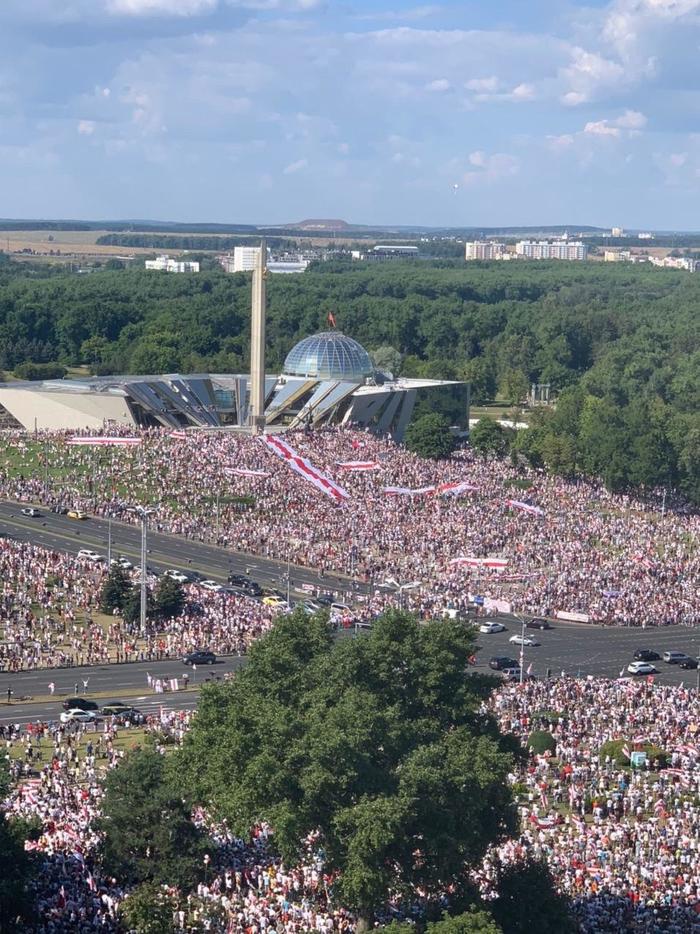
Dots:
(645, 655)
(325, 599)
(88, 555)
(123, 712)
(79, 703)
(688, 663)
(242, 584)
(274, 600)
(511, 674)
(490, 628)
(122, 562)
(176, 575)
(311, 606)
(76, 715)
(340, 609)
(519, 639)
(537, 623)
(499, 662)
(59, 510)
(674, 658)
(199, 658)
(31, 512)
(76, 514)
(641, 668)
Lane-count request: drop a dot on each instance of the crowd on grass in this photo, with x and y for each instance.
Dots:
(622, 842)
(566, 545)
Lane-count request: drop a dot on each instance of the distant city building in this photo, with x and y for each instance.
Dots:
(617, 256)
(172, 265)
(244, 259)
(485, 250)
(617, 232)
(383, 251)
(551, 249)
(645, 236)
(686, 263)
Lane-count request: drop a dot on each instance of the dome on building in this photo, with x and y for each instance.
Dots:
(329, 355)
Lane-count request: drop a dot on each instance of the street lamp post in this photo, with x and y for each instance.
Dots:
(143, 513)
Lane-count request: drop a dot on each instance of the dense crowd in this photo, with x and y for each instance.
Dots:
(49, 601)
(567, 546)
(623, 843)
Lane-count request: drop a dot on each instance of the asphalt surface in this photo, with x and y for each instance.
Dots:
(164, 551)
(575, 650)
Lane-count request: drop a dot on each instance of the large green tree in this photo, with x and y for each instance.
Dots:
(380, 743)
(430, 436)
(169, 598)
(115, 590)
(17, 868)
(148, 832)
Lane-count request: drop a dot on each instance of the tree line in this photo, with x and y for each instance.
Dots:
(620, 346)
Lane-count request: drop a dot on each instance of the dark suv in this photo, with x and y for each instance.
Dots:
(199, 658)
(245, 585)
(537, 623)
(499, 662)
(79, 703)
(646, 655)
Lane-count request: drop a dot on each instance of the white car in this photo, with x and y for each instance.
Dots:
(641, 668)
(211, 586)
(490, 628)
(30, 511)
(90, 555)
(122, 562)
(517, 639)
(75, 715)
(176, 575)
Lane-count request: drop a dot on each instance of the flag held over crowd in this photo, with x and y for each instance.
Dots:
(305, 468)
(99, 440)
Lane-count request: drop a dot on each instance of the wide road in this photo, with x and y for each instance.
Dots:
(164, 551)
(574, 649)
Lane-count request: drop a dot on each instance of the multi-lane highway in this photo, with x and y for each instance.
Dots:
(164, 551)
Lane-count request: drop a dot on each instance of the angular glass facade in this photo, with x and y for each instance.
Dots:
(329, 355)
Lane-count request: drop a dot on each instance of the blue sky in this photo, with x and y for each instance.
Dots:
(453, 113)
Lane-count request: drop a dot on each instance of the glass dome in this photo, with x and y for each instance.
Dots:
(329, 355)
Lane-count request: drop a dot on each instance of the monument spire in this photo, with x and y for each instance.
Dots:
(257, 341)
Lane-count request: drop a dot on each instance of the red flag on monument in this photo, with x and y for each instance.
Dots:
(331, 319)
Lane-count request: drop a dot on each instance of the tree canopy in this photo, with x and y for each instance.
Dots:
(430, 436)
(378, 743)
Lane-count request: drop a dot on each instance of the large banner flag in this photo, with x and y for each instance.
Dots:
(498, 563)
(455, 489)
(525, 507)
(359, 465)
(305, 468)
(99, 440)
(407, 491)
(246, 472)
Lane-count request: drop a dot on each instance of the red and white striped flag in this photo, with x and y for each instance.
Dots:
(455, 489)
(626, 752)
(358, 465)
(246, 472)
(99, 441)
(525, 507)
(305, 468)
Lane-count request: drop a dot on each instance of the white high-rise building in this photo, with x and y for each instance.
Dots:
(485, 250)
(245, 258)
(552, 249)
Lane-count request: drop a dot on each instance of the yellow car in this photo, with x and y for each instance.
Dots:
(76, 514)
(274, 601)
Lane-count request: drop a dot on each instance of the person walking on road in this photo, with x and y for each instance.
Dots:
(9, 695)
(52, 688)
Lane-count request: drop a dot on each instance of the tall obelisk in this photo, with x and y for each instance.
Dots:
(257, 342)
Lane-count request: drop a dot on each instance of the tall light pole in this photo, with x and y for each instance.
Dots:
(522, 645)
(143, 513)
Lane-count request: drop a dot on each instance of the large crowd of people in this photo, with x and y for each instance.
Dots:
(622, 842)
(566, 546)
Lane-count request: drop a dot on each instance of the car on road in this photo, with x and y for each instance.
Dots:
(59, 510)
(88, 555)
(122, 562)
(325, 599)
(688, 663)
(31, 512)
(199, 658)
(490, 628)
(76, 514)
(176, 575)
(340, 609)
(511, 674)
(641, 668)
(80, 703)
(311, 606)
(646, 655)
(241, 584)
(674, 658)
(75, 715)
(211, 586)
(274, 600)
(123, 712)
(537, 623)
(499, 662)
(519, 639)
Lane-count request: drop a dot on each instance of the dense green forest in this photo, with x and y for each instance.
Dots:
(619, 345)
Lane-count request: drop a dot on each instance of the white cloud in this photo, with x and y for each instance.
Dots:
(86, 127)
(560, 143)
(295, 166)
(522, 92)
(490, 168)
(440, 84)
(155, 7)
(483, 85)
(631, 120)
(601, 128)
(588, 75)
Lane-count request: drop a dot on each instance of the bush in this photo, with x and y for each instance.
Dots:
(37, 371)
(430, 436)
(613, 748)
(540, 741)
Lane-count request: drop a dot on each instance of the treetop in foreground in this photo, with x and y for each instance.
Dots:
(378, 744)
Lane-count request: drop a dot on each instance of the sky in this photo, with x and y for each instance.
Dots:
(465, 112)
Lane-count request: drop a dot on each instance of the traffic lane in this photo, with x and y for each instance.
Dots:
(128, 676)
(584, 650)
(149, 704)
(63, 534)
